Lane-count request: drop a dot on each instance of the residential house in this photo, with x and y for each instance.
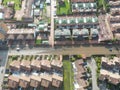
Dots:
(15, 65)
(24, 82)
(57, 64)
(57, 80)
(25, 65)
(20, 36)
(35, 81)
(113, 78)
(79, 73)
(36, 65)
(13, 82)
(46, 65)
(46, 80)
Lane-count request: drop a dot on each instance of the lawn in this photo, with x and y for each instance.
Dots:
(68, 75)
(103, 4)
(17, 5)
(64, 9)
(38, 41)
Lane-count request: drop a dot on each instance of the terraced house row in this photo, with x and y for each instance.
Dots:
(27, 74)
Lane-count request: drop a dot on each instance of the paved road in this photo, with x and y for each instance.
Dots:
(90, 50)
(93, 67)
(52, 24)
(3, 56)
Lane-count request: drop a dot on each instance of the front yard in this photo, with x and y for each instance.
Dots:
(68, 75)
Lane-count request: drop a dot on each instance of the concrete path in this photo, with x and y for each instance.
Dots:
(92, 65)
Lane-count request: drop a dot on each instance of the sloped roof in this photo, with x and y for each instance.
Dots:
(20, 37)
(29, 36)
(11, 37)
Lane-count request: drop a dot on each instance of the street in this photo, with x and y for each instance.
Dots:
(86, 50)
(93, 67)
(3, 57)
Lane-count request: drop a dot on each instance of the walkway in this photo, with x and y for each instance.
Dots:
(92, 65)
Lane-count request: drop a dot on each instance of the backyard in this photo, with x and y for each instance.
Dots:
(17, 3)
(64, 9)
(68, 75)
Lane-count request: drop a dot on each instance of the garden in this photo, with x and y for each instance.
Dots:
(17, 3)
(64, 7)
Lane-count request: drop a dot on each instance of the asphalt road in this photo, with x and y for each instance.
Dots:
(87, 50)
(3, 57)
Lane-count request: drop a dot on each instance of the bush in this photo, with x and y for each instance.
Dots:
(88, 70)
(14, 57)
(79, 56)
(73, 59)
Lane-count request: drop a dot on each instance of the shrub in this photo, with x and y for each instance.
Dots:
(14, 57)
(72, 59)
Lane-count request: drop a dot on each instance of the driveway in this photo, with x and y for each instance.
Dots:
(3, 56)
(93, 67)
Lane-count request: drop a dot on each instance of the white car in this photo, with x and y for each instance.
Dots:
(18, 49)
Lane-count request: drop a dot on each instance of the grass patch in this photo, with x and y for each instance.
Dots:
(68, 75)
(64, 9)
(38, 41)
(103, 4)
(17, 5)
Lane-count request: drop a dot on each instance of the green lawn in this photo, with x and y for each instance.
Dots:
(17, 5)
(68, 75)
(64, 9)
(38, 41)
(103, 4)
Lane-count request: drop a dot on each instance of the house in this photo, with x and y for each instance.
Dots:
(35, 81)
(8, 13)
(79, 66)
(46, 80)
(110, 64)
(56, 64)
(79, 72)
(13, 81)
(36, 65)
(15, 65)
(46, 65)
(113, 78)
(24, 81)
(28, 12)
(20, 36)
(25, 65)
(57, 80)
